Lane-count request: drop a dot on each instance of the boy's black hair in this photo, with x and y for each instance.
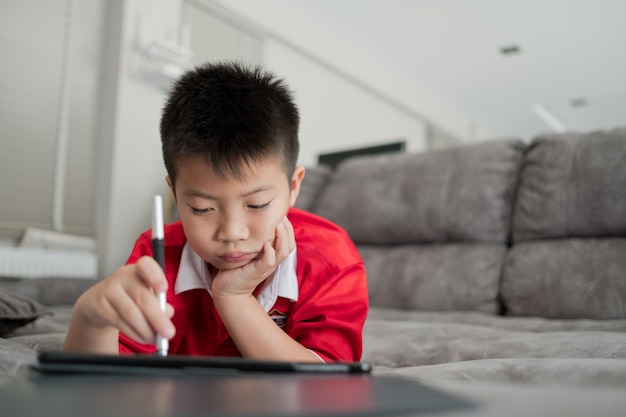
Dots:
(232, 115)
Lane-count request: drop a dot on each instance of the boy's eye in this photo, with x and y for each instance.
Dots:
(200, 211)
(258, 206)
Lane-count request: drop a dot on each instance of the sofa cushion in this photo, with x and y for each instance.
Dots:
(458, 194)
(407, 343)
(16, 311)
(572, 185)
(566, 278)
(445, 277)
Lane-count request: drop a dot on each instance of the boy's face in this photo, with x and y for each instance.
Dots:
(227, 220)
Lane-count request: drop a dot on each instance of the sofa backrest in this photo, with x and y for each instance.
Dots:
(432, 228)
(538, 229)
(568, 258)
(453, 195)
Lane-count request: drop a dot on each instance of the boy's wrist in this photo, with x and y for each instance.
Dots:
(232, 297)
(83, 336)
(232, 303)
(235, 283)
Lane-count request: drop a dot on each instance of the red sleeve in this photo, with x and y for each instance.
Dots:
(143, 247)
(329, 315)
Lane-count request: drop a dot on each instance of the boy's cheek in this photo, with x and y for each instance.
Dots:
(272, 241)
(271, 235)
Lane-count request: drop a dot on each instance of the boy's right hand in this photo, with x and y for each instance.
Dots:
(125, 301)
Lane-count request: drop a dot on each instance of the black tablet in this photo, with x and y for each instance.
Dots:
(68, 362)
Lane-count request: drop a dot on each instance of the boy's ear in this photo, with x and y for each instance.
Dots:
(169, 184)
(296, 181)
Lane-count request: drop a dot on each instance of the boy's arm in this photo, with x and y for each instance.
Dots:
(253, 331)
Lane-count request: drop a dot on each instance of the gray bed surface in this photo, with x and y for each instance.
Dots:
(19, 349)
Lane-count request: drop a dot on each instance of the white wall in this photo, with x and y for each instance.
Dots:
(131, 169)
(335, 113)
(34, 36)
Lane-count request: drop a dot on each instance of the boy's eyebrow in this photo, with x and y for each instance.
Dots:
(202, 194)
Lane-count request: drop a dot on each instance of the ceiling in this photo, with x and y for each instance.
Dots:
(571, 60)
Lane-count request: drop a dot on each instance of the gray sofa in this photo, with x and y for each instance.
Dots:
(496, 271)
(499, 264)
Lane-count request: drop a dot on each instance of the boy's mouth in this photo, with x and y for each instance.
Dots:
(236, 257)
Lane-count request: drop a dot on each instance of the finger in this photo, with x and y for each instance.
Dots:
(128, 317)
(156, 317)
(148, 303)
(291, 234)
(170, 311)
(264, 263)
(285, 241)
(281, 237)
(142, 318)
(151, 274)
(137, 308)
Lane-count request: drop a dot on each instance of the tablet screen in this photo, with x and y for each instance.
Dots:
(69, 362)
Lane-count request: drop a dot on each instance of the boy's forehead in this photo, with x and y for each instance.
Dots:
(242, 171)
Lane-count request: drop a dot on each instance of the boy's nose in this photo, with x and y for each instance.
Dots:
(232, 230)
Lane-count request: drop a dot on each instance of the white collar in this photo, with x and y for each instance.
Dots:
(193, 273)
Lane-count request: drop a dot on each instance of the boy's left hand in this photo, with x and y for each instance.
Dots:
(245, 279)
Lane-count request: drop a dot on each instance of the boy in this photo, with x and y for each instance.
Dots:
(245, 273)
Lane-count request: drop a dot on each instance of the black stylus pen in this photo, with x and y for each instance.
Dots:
(158, 251)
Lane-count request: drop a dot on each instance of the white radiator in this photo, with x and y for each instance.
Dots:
(47, 263)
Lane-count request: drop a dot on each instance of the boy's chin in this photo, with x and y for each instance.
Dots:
(222, 266)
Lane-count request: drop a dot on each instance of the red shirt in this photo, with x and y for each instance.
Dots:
(327, 318)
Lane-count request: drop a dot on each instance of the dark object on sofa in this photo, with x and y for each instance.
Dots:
(17, 311)
(34, 316)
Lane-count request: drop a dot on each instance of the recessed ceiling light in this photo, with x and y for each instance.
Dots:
(578, 102)
(508, 50)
